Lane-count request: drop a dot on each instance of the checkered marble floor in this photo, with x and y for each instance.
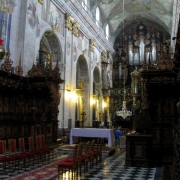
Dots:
(113, 168)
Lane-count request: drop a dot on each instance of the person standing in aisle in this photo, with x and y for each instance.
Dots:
(118, 135)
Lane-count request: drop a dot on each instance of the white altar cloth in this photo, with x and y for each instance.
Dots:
(92, 132)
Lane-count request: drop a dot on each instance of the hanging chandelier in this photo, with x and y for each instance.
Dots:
(124, 112)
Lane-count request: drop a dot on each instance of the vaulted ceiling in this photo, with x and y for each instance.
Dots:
(157, 12)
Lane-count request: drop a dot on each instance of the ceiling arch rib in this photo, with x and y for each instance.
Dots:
(152, 19)
(159, 11)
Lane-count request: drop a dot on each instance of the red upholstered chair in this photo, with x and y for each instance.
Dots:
(4, 158)
(80, 157)
(85, 156)
(91, 152)
(95, 150)
(70, 164)
(39, 153)
(40, 147)
(50, 149)
(30, 155)
(16, 155)
(99, 151)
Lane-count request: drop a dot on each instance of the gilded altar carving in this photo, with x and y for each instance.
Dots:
(40, 71)
(75, 28)
(103, 57)
(162, 79)
(7, 66)
(108, 53)
(19, 71)
(164, 64)
(37, 71)
(68, 22)
(81, 84)
(161, 64)
(91, 44)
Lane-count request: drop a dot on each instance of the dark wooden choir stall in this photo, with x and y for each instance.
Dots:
(29, 105)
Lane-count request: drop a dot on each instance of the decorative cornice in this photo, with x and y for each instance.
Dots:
(86, 23)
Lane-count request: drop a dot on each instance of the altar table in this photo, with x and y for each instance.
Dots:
(92, 132)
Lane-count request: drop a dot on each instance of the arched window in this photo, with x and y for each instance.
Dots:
(97, 16)
(107, 31)
(84, 4)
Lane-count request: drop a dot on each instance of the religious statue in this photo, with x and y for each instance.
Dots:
(81, 84)
(100, 116)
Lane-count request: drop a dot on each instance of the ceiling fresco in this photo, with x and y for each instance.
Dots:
(157, 12)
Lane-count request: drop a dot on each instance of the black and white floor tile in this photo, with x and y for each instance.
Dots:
(113, 168)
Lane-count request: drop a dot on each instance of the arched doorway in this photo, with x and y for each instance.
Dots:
(82, 91)
(50, 56)
(50, 51)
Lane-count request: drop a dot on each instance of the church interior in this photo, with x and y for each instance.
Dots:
(90, 66)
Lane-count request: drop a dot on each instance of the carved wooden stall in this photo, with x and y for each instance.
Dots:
(176, 128)
(162, 89)
(139, 150)
(163, 99)
(29, 105)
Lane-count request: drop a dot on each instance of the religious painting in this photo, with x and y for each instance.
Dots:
(33, 18)
(53, 16)
(32, 14)
(6, 14)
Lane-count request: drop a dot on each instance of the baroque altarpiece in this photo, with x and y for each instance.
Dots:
(144, 62)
